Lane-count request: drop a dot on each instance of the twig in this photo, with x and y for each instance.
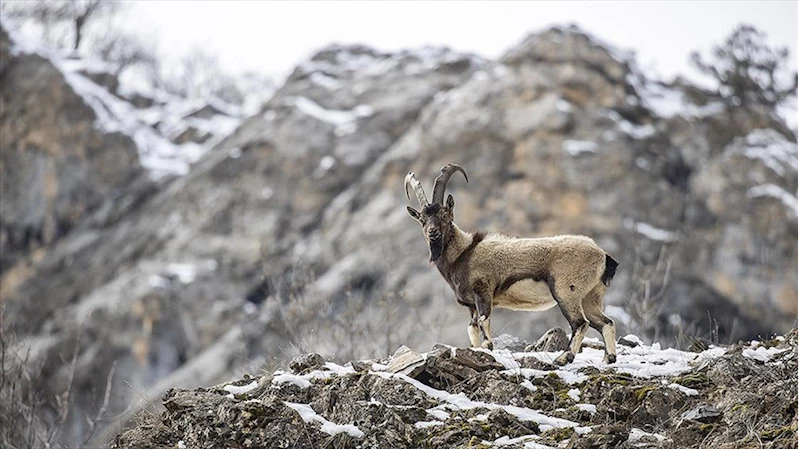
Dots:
(101, 413)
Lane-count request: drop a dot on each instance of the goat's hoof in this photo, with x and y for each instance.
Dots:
(488, 345)
(566, 357)
(609, 358)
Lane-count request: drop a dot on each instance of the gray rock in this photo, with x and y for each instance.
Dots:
(553, 340)
(306, 362)
(629, 343)
(406, 361)
(509, 342)
(703, 413)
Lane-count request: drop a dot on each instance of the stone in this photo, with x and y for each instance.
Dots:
(629, 343)
(703, 413)
(306, 362)
(406, 361)
(553, 340)
(509, 342)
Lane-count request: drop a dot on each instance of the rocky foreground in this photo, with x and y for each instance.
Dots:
(737, 396)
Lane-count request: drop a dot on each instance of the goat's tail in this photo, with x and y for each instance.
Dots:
(610, 269)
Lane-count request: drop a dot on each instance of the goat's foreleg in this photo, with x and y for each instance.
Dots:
(474, 329)
(482, 302)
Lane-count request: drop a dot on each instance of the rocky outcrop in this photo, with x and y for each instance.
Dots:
(56, 167)
(291, 234)
(738, 396)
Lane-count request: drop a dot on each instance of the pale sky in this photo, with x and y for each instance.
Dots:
(272, 38)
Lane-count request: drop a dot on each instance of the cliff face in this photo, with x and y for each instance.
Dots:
(738, 396)
(289, 233)
(56, 166)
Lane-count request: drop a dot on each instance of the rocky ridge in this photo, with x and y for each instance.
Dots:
(739, 396)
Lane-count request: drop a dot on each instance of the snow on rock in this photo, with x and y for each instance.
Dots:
(577, 147)
(288, 378)
(461, 402)
(649, 231)
(309, 415)
(184, 272)
(668, 102)
(642, 361)
(236, 389)
(770, 147)
(633, 338)
(508, 441)
(424, 424)
(344, 121)
(152, 128)
(637, 435)
(775, 191)
(638, 132)
(760, 354)
(685, 390)
(344, 61)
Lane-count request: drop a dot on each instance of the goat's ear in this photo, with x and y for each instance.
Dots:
(450, 202)
(414, 213)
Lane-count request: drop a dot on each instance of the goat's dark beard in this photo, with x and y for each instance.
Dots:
(436, 248)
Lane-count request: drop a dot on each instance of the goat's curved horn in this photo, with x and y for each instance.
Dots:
(412, 182)
(440, 184)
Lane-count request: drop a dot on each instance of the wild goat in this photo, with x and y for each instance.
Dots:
(487, 270)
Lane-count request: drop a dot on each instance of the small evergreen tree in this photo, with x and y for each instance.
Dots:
(748, 70)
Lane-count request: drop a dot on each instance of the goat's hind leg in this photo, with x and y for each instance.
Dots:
(573, 311)
(592, 306)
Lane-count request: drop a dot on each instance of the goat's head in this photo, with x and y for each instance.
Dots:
(435, 217)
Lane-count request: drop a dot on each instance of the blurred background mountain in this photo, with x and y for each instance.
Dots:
(174, 227)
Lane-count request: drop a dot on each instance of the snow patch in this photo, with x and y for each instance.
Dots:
(439, 414)
(635, 131)
(685, 390)
(775, 191)
(309, 415)
(236, 389)
(577, 147)
(574, 394)
(288, 378)
(461, 402)
(184, 272)
(426, 424)
(649, 231)
(344, 121)
(637, 435)
(328, 82)
(770, 147)
(760, 354)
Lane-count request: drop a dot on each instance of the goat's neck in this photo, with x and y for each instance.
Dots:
(458, 243)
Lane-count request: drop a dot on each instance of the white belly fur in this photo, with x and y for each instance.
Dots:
(526, 295)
